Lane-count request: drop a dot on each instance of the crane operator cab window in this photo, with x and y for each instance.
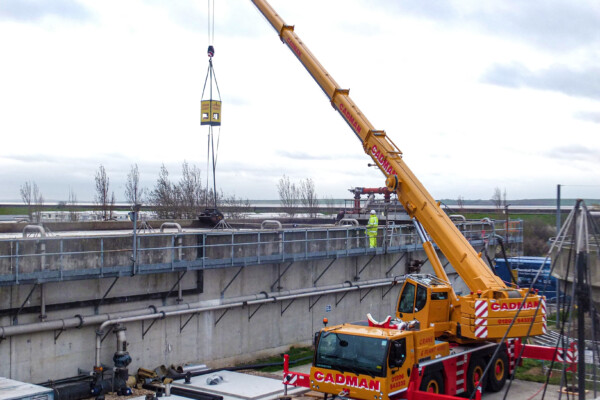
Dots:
(397, 353)
(407, 299)
(408, 304)
(421, 298)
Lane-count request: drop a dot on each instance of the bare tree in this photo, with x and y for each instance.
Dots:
(38, 203)
(163, 197)
(133, 192)
(102, 197)
(190, 190)
(33, 199)
(497, 199)
(71, 204)
(288, 195)
(308, 196)
(27, 197)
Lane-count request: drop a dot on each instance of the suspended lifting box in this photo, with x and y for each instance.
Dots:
(15, 390)
(210, 112)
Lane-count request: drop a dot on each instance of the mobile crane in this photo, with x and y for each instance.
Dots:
(440, 341)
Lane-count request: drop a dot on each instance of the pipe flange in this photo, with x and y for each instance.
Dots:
(80, 321)
(164, 315)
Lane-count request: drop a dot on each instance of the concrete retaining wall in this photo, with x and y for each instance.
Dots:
(213, 337)
(240, 334)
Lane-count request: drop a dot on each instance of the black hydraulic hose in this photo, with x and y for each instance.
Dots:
(82, 390)
(63, 381)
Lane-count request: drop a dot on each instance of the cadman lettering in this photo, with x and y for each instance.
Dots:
(350, 381)
(350, 118)
(513, 306)
(294, 48)
(385, 164)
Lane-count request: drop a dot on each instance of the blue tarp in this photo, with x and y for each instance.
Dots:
(527, 268)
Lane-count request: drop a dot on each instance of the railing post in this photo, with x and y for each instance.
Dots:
(282, 245)
(101, 257)
(172, 253)
(232, 244)
(17, 264)
(258, 249)
(60, 263)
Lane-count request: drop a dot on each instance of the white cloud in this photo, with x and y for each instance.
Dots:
(119, 83)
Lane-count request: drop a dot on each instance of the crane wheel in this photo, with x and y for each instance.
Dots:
(432, 383)
(498, 372)
(474, 374)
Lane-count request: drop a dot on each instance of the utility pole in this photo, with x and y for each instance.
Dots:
(557, 208)
(582, 293)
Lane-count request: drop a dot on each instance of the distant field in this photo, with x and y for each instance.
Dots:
(548, 219)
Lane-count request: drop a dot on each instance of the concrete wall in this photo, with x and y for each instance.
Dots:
(236, 337)
(216, 338)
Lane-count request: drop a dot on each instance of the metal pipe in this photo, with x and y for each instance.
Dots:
(181, 309)
(348, 221)
(42, 302)
(270, 222)
(170, 225)
(34, 228)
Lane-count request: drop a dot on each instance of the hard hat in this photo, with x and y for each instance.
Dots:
(372, 211)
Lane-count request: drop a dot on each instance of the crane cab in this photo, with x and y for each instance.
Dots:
(427, 299)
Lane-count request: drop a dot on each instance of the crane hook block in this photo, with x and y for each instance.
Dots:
(210, 112)
(211, 51)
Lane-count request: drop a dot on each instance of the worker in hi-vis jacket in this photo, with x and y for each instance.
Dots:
(372, 229)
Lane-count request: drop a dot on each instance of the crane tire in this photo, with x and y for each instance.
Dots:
(498, 372)
(432, 382)
(474, 373)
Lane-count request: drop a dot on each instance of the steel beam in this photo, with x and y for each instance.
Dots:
(278, 281)
(325, 270)
(231, 281)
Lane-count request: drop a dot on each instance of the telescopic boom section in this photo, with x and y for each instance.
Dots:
(411, 193)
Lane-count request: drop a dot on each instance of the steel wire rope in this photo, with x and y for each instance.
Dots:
(564, 347)
(210, 76)
(561, 335)
(483, 375)
(592, 309)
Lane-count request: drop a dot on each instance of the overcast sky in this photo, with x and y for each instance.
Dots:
(477, 94)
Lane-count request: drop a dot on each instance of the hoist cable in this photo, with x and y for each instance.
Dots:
(211, 21)
(207, 168)
(218, 141)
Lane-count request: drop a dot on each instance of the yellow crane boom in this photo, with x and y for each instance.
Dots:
(411, 193)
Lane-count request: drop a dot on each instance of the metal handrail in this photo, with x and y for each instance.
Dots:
(206, 249)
